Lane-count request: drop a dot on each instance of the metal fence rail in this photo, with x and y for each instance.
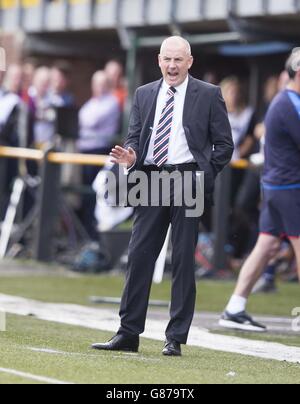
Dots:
(48, 196)
(53, 157)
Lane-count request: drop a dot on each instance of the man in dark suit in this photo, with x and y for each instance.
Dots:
(177, 124)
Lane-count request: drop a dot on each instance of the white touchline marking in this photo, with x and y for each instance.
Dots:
(62, 353)
(32, 377)
(139, 358)
(120, 356)
(48, 351)
(108, 320)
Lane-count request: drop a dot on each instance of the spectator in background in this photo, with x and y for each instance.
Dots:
(66, 112)
(115, 74)
(44, 128)
(241, 117)
(13, 79)
(10, 102)
(270, 90)
(28, 107)
(273, 86)
(283, 81)
(28, 75)
(3, 186)
(16, 97)
(243, 121)
(99, 117)
(59, 85)
(248, 197)
(1, 82)
(211, 78)
(99, 122)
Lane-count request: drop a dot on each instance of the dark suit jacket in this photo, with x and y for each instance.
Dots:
(205, 122)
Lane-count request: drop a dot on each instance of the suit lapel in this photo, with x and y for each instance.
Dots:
(152, 101)
(190, 100)
(150, 108)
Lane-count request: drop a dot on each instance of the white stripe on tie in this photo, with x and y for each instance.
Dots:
(163, 132)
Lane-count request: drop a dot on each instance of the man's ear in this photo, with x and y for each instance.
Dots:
(191, 62)
(159, 60)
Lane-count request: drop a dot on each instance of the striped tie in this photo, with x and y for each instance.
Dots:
(163, 132)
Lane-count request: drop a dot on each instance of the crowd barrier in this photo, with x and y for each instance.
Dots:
(48, 193)
(47, 199)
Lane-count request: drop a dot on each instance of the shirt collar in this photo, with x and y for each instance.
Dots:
(180, 89)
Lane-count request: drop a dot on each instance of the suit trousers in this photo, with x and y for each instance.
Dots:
(149, 233)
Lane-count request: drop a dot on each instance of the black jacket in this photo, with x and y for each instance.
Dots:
(205, 122)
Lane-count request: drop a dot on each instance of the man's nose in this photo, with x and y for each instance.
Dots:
(172, 64)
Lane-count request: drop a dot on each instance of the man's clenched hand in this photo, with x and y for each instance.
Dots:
(125, 157)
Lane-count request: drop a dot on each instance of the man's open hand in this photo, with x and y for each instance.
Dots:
(123, 157)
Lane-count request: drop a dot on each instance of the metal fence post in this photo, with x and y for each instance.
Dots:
(48, 200)
(221, 218)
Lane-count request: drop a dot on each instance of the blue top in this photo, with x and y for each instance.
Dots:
(282, 149)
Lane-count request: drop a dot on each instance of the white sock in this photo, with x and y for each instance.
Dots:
(236, 305)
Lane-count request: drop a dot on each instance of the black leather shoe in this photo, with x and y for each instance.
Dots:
(172, 348)
(121, 343)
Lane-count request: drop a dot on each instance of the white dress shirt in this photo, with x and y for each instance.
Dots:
(179, 152)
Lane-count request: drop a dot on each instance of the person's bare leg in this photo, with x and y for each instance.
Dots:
(235, 315)
(296, 245)
(265, 250)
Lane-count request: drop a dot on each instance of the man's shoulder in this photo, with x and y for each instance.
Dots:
(204, 85)
(279, 105)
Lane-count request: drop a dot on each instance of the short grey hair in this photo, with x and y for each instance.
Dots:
(179, 39)
(293, 63)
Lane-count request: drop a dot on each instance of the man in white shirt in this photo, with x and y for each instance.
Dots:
(177, 124)
(179, 151)
(99, 120)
